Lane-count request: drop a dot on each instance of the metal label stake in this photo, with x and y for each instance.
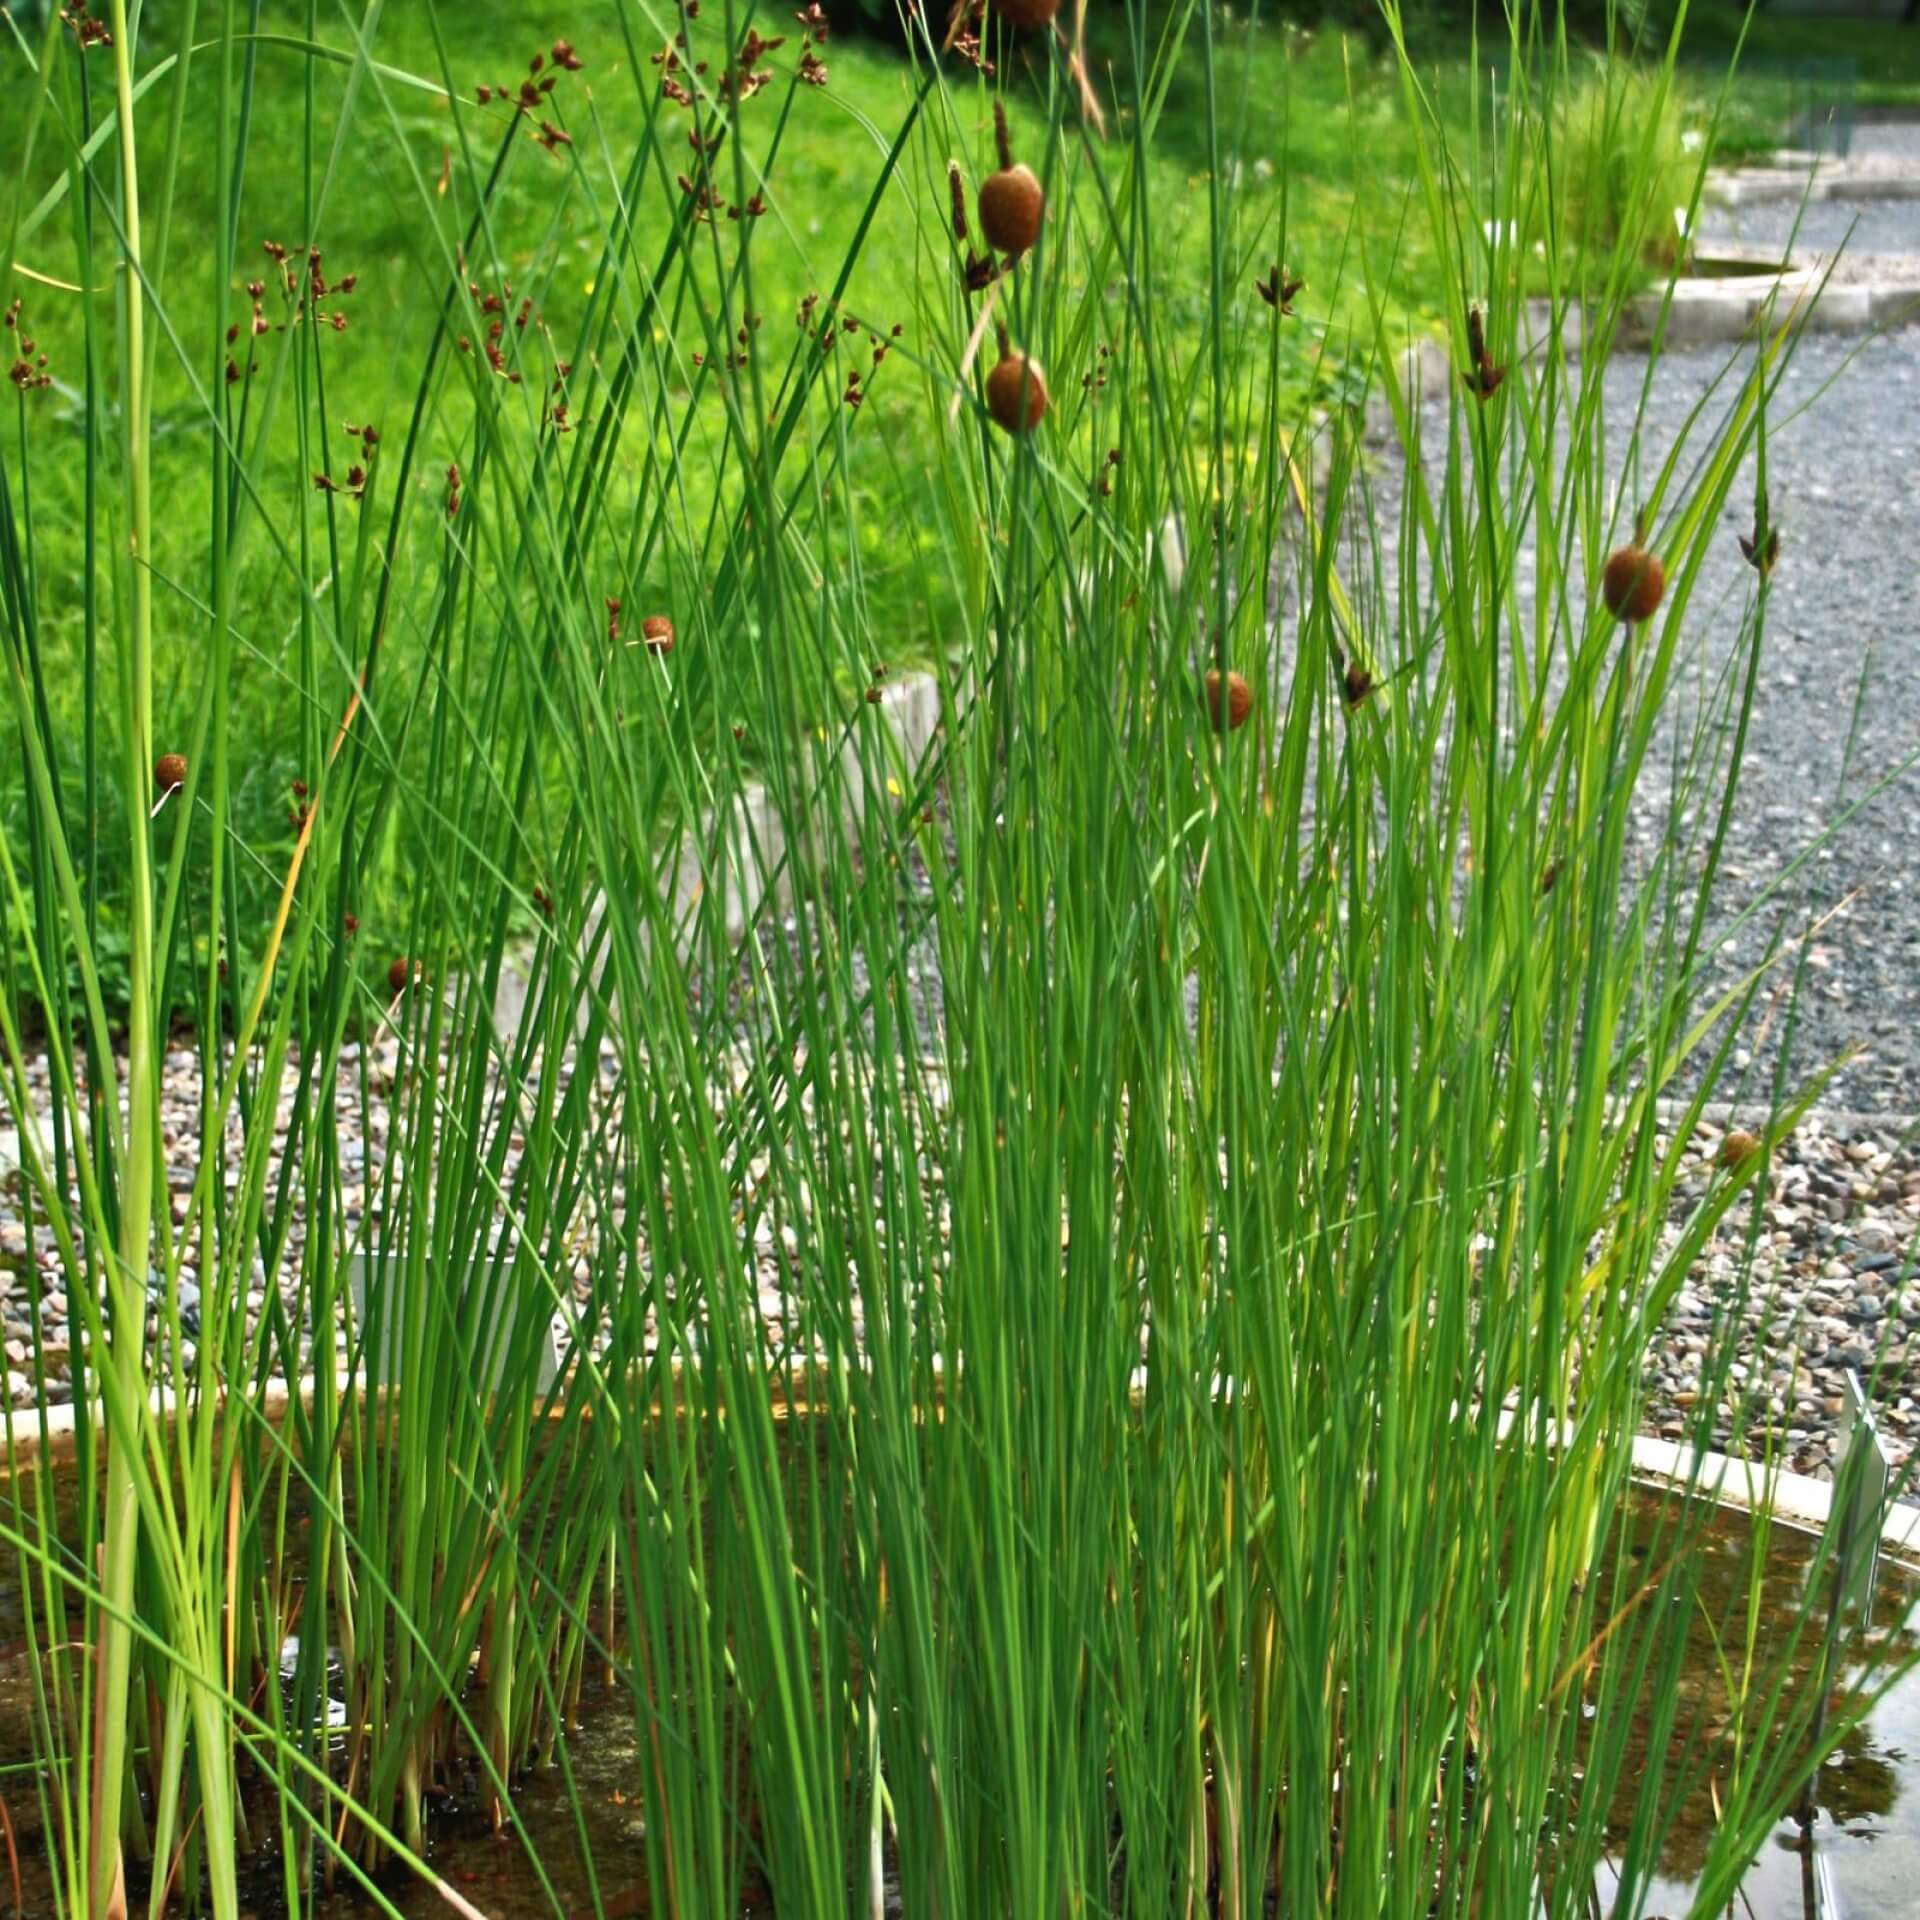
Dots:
(1851, 1538)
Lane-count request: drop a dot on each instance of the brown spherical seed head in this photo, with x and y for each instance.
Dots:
(400, 975)
(1027, 13)
(1011, 204)
(170, 772)
(657, 631)
(1738, 1148)
(1017, 393)
(1633, 583)
(1232, 715)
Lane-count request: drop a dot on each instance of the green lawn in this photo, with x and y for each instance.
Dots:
(1308, 131)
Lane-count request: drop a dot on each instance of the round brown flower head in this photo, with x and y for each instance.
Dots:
(657, 631)
(401, 975)
(170, 772)
(1011, 204)
(1016, 391)
(1011, 201)
(1231, 713)
(1633, 583)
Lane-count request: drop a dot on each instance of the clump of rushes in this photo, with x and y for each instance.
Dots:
(1230, 701)
(1011, 201)
(1633, 582)
(657, 632)
(170, 773)
(1016, 390)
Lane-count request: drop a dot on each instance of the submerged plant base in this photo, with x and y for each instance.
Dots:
(578, 1833)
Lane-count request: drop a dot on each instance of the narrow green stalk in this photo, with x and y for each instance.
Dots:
(127, 1273)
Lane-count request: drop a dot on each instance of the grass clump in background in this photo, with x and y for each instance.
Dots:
(1102, 1357)
(1629, 180)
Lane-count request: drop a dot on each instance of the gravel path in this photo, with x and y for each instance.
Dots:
(1836, 713)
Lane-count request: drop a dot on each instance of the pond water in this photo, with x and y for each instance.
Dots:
(1866, 1841)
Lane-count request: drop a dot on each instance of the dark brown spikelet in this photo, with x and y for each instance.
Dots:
(1476, 334)
(401, 975)
(1762, 552)
(1229, 705)
(1483, 377)
(1278, 289)
(1633, 583)
(957, 193)
(170, 772)
(1762, 546)
(657, 631)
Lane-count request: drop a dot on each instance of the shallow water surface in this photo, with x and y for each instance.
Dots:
(1866, 1842)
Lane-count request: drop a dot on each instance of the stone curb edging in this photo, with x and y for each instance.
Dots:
(1747, 1486)
(1844, 1123)
(1795, 182)
(1724, 311)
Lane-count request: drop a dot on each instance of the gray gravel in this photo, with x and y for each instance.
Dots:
(1836, 711)
(1820, 844)
(1824, 1290)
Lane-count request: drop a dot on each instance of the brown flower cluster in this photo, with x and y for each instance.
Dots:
(87, 31)
(29, 367)
(358, 474)
(493, 309)
(963, 35)
(531, 94)
(301, 280)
